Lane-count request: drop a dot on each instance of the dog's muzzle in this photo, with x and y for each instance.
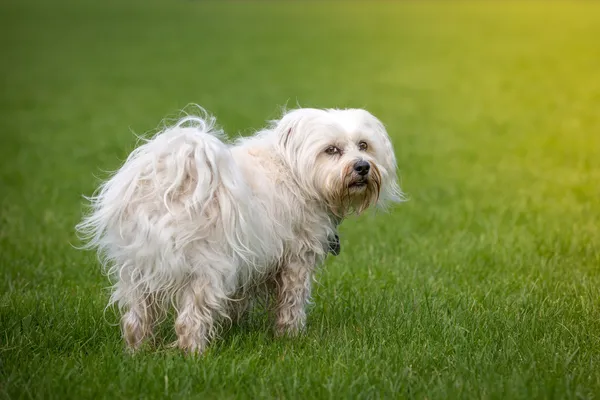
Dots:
(362, 167)
(360, 176)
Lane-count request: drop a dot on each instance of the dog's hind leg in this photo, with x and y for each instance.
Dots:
(137, 321)
(199, 304)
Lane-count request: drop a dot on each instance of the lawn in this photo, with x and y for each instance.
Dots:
(486, 284)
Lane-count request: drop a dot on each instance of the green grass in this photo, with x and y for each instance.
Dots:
(486, 284)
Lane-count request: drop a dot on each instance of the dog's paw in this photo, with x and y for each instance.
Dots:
(288, 330)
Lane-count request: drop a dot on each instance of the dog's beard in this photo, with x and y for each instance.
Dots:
(352, 194)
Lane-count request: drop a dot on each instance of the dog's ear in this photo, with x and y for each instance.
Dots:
(286, 127)
(285, 137)
(292, 128)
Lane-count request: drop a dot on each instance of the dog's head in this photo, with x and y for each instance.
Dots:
(342, 157)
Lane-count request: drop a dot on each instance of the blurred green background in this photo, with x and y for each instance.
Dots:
(484, 285)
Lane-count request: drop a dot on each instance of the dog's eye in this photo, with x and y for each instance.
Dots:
(331, 150)
(363, 146)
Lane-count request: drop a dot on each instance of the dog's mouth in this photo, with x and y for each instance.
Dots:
(359, 183)
(355, 191)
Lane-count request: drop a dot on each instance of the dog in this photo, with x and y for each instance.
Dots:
(198, 223)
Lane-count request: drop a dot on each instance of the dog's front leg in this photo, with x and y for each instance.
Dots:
(293, 294)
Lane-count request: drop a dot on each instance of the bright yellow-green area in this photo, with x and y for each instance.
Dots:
(486, 284)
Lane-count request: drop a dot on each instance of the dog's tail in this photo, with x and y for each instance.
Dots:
(179, 186)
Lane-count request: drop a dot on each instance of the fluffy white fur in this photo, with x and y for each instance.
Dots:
(192, 221)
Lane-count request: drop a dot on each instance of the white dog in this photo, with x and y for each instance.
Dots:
(194, 222)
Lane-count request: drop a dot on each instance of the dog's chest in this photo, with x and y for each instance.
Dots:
(299, 224)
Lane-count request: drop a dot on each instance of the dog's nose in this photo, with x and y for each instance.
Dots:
(362, 167)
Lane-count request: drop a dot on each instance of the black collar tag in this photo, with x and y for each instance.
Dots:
(334, 245)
